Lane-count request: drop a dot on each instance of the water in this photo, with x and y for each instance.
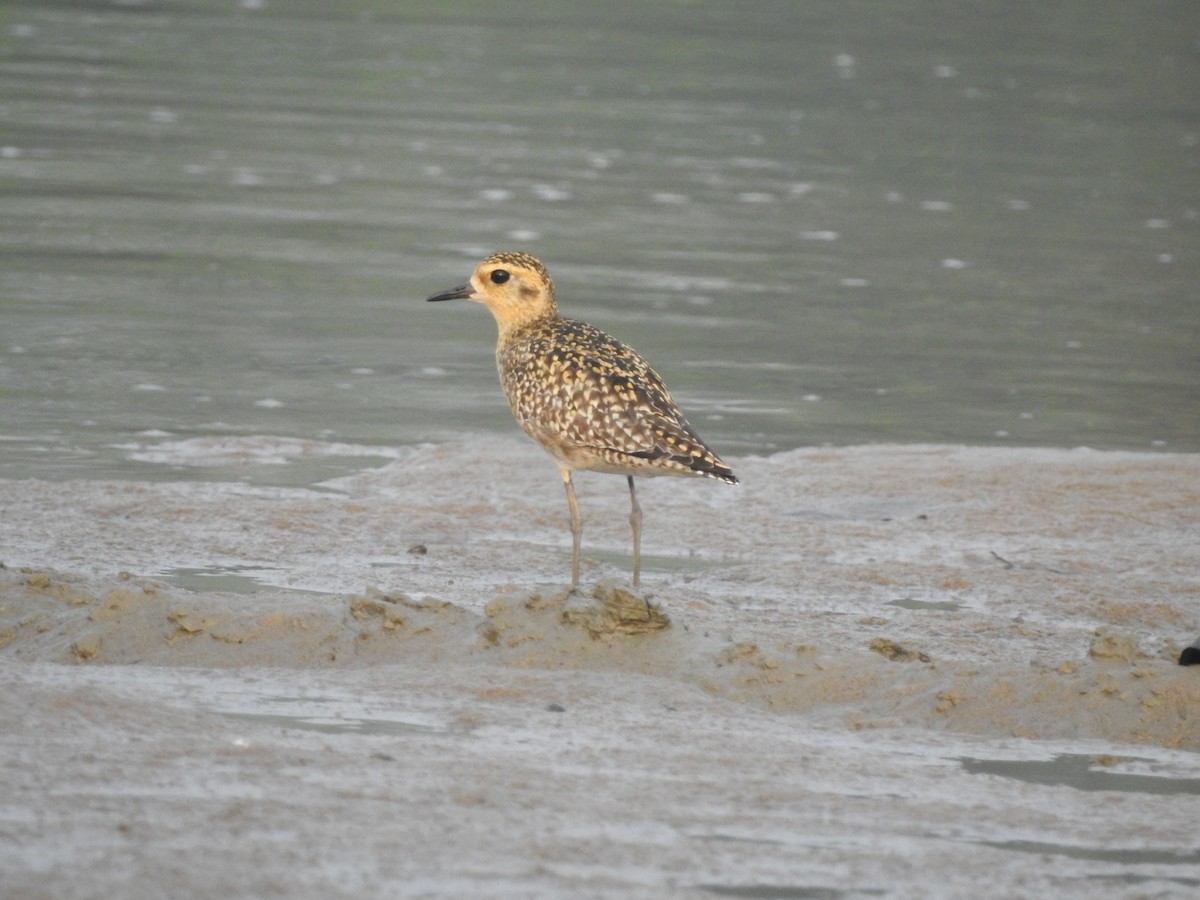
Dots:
(828, 223)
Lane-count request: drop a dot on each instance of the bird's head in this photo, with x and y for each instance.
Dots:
(514, 286)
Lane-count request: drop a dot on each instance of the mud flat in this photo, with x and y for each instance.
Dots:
(886, 670)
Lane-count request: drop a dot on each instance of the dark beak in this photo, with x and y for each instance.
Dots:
(455, 293)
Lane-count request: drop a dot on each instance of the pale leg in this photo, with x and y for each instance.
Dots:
(576, 526)
(635, 521)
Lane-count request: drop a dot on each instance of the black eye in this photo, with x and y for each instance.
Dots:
(499, 276)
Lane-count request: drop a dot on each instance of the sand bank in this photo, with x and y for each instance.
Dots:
(382, 681)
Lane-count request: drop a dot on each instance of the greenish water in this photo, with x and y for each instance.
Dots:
(823, 223)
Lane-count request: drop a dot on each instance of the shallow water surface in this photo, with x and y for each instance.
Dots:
(821, 223)
(1083, 773)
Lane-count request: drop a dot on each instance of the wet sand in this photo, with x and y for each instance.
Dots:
(886, 670)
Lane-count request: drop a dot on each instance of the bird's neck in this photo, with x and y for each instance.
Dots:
(511, 320)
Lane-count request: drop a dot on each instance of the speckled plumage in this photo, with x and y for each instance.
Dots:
(595, 404)
(590, 401)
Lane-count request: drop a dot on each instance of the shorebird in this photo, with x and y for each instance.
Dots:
(590, 401)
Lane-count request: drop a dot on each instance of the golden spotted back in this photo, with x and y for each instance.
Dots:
(594, 403)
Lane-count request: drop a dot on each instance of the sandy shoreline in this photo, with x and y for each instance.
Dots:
(1026, 604)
